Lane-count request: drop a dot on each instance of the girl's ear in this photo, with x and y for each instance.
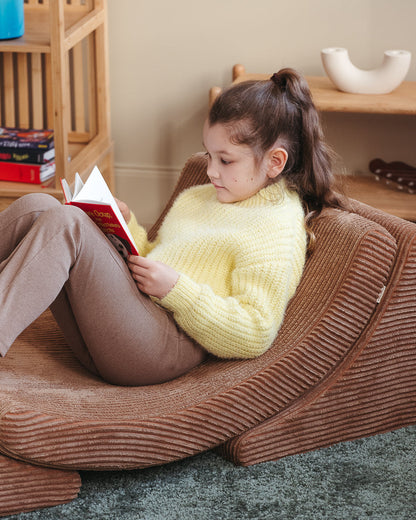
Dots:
(278, 158)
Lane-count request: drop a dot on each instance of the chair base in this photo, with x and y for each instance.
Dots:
(340, 415)
(25, 487)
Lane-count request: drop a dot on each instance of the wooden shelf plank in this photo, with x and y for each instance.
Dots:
(36, 37)
(17, 189)
(388, 198)
(328, 98)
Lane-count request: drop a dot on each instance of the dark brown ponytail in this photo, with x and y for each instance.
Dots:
(280, 112)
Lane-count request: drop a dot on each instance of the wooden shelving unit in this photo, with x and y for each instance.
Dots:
(328, 99)
(56, 76)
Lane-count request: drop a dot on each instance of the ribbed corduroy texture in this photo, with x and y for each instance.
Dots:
(325, 363)
(374, 392)
(25, 487)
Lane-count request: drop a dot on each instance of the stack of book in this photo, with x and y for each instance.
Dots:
(26, 155)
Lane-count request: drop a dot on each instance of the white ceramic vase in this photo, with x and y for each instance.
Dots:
(349, 78)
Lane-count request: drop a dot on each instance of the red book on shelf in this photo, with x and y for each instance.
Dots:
(25, 172)
(95, 198)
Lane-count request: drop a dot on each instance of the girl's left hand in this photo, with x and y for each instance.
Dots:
(152, 277)
(124, 209)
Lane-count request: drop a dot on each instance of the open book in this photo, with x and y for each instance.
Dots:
(95, 198)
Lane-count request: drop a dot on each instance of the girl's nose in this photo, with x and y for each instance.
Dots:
(211, 171)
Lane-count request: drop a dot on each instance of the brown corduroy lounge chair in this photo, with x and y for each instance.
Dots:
(342, 367)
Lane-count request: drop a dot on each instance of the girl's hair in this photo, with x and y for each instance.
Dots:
(280, 113)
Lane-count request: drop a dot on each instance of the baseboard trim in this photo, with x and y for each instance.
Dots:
(146, 171)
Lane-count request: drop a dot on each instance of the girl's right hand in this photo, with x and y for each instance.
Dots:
(152, 277)
(125, 210)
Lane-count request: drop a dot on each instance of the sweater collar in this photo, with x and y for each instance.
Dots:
(271, 194)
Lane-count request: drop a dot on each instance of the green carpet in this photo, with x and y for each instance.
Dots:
(373, 478)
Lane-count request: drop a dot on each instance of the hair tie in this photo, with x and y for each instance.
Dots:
(279, 80)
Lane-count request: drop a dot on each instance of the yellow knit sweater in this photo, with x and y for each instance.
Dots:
(239, 265)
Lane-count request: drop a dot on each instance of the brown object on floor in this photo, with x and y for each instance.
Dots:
(342, 367)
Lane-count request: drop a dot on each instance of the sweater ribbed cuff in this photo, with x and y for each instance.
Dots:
(182, 296)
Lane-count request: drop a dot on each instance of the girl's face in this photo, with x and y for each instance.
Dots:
(232, 168)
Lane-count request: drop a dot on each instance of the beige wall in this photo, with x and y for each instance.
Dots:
(166, 54)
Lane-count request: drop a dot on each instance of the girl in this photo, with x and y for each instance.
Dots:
(226, 261)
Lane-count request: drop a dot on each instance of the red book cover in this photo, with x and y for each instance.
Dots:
(105, 218)
(25, 172)
(95, 198)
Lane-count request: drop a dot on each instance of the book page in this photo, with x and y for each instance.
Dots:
(95, 190)
(93, 197)
(78, 184)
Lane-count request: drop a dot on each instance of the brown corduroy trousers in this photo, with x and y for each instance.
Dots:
(54, 256)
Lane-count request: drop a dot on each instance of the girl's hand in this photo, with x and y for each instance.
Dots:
(152, 277)
(125, 210)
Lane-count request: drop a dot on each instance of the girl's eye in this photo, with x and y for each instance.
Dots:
(223, 161)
